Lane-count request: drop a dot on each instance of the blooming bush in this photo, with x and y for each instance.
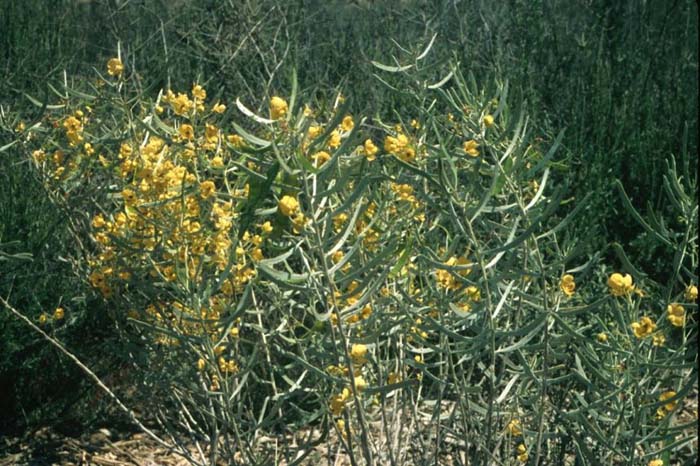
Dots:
(303, 266)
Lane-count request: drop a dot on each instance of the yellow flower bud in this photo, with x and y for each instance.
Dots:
(288, 206)
(278, 108)
(115, 67)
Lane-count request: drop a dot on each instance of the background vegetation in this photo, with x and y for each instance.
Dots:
(620, 78)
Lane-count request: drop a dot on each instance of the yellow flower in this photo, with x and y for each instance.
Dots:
(337, 256)
(340, 425)
(266, 227)
(676, 314)
(288, 206)
(656, 462)
(392, 144)
(358, 352)
(338, 402)
(567, 285)
(227, 366)
(400, 147)
(620, 285)
(59, 313)
(513, 428)
(206, 189)
(98, 221)
(257, 254)
(314, 131)
(201, 364)
(115, 67)
(658, 340)
(198, 92)
(298, 222)
(186, 131)
(58, 157)
(129, 196)
(218, 108)
(473, 293)
(445, 279)
(522, 453)
(602, 337)
(320, 158)
(488, 120)
(235, 140)
(43, 318)
(667, 395)
(370, 150)
(125, 150)
(360, 383)
(366, 311)
(403, 191)
(691, 293)
(334, 141)
(39, 156)
(72, 125)
(643, 328)
(181, 104)
(471, 148)
(278, 108)
(211, 134)
(347, 124)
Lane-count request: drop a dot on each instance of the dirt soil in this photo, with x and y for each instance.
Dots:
(102, 448)
(48, 447)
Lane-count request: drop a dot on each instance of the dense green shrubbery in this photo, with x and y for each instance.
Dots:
(308, 266)
(620, 78)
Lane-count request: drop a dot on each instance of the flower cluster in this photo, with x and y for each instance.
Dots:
(668, 406)
(400, 146)
(338, 402)
(522, 453)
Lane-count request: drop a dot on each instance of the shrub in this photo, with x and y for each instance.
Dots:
(312, 267)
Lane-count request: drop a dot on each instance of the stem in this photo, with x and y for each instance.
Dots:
(366, 451)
